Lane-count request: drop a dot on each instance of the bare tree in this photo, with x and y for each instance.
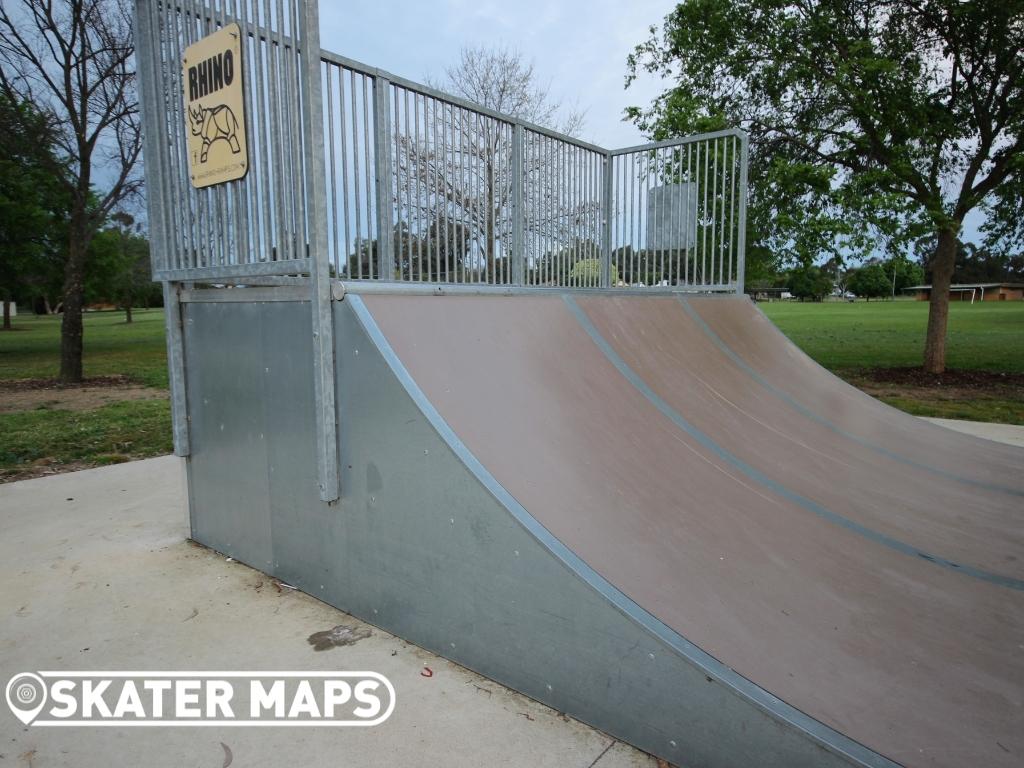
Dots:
(454, 172)
(73, 58)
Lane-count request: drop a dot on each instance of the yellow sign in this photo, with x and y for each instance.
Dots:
(215, 108)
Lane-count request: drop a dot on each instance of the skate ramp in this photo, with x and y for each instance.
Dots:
(741, 330)
(594, 502)
(803, 561)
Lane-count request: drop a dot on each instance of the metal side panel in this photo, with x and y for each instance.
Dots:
(233, 383)
(425, 545)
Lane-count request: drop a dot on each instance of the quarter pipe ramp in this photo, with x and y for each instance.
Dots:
(652, 513)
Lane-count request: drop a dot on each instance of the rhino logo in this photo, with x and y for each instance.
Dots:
(214, 124)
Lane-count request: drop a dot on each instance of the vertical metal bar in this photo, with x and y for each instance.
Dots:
(382, 156)
(418, 153)
(368, 188)
(294, 62)
(396, 249)
(263, 137)
(357, 200)
(276, 108)
(741, 236)
(704, 217)
(608, 171)
(329, 87)
(153, 91)
(517, 256)
(343, 135)
(714, 202)
(446, 182)
(721, 228)
(410, 175)
(176, 223)
(320, 284)
(432, 196)
(732, 205)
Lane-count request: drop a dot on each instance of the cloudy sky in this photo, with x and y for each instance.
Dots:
(578, 48)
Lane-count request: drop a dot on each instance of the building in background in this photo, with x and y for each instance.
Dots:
(973, 292)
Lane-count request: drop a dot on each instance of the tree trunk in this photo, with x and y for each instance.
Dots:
(128, 311)
(71, 323)
(7, 315)
(938, 309)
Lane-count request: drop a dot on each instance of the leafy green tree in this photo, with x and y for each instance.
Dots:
(31, 201)
(869, 282)
(902, 273)
(119, 267)
(867, 118)
(978, 264)
(809, 282)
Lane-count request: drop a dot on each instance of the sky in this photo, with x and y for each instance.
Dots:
(578, 48)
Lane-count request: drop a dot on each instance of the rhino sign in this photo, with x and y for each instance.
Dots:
(211, 76)
(215, 124)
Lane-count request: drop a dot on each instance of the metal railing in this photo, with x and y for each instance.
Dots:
(422, 186)
(359, 175)
(425, 187)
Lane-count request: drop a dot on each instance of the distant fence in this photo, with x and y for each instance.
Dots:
(421, 186)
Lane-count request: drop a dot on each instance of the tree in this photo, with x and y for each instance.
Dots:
(869, 282)
(902, 273)
(454, 168)
(881, 118)
(31, 200)
(73, 59)
(809, 282)
(977, 264)
(119, 266)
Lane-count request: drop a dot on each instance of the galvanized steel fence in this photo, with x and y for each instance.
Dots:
(354, 174)
(424, 187)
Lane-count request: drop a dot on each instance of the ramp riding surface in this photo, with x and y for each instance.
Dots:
(918, 662)
(602, 502)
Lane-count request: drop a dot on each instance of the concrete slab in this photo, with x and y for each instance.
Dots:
(98, 574)
(1011, 434)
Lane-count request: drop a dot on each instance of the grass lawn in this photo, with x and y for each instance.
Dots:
(890, 334)
(47, 437)
(855, 340)
(135, 350)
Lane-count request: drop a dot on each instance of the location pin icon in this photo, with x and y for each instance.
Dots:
(26, 695)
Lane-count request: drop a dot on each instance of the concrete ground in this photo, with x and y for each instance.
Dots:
(97, 574)
(1010, 434)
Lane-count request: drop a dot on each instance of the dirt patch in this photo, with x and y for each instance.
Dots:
(952, 385)
(34, 394)
(43, 468)
(917, 377)
(972, 395)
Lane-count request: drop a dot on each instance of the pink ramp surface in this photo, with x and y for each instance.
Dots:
(916, 661)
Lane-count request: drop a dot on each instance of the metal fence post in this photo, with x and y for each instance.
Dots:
(741, 235)
(311, 104)
(382, 162)
(147, 33)
(518, 254)
(607, 169)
